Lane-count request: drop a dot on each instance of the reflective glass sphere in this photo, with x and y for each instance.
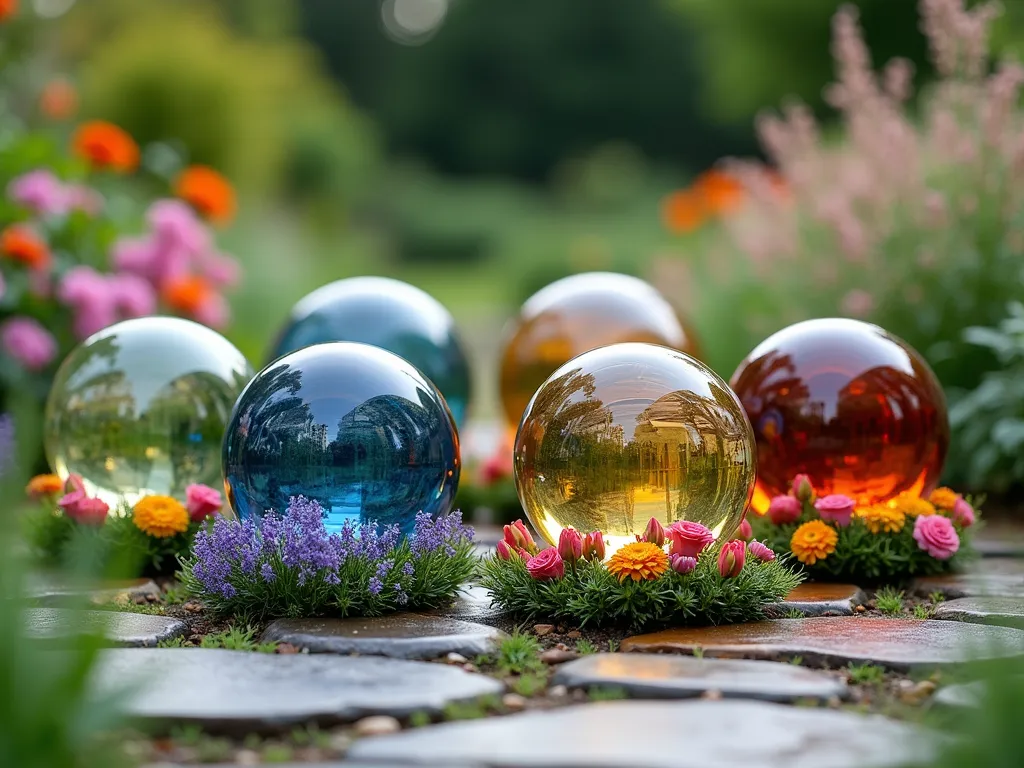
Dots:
(140, 408)
(628, 432)
(576, 314)
(391, 315)
(353, 426)
(848, 404)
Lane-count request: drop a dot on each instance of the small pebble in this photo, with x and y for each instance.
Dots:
(916, 693)
(378, 725)
(834, 702)
(562, 647)
(860, 609)
(711, 695)
(455, 658)
(470, 667)
(247, 757)
(558, 656)
(286, 648)
(193, 607)
(513, 701)
(543, 629)
(558, 691)
(575, 634)
(339, 742)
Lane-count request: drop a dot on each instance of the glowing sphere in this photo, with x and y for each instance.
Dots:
(353, 426)
(391, 315)
(629, 432)
(848, 404)
(140, 408)
(576, 314)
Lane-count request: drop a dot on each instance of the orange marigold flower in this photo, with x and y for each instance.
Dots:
(160, 516)
(914, 506)
(20, 243)
(106, 146)
(881, 518)
(187, 294)
(41, 486)
(641, 561)
(58, 100)
(720, 192)
(944, 498)
(813, 541)
(7, 9)
(207, 191)
(683, 211)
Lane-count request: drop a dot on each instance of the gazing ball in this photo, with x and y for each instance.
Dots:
(391, 315)
(140, 408)
(628, 432)
(575, 315)
(848, 404)
(353, 426)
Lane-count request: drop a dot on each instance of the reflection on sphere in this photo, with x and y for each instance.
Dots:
(140, 408)
(848, 404)
(629, 432)
(576, 314)
(355, 427)
(391, 315)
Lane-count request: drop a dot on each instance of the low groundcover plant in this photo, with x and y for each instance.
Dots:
(641, 584)
(290, 566)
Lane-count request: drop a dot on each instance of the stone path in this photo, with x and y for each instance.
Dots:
(894, 643)
(642, 734)
(822, 599)
(63, 625)
(1007, 611)
(402, 636)
(681, 677)
(995, 577)
(243, 691)
(50, 589)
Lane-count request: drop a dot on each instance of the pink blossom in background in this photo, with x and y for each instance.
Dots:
(836, 508)
(40, 191)
(3, 285)
(784, 509)
(214, 311)
(202, 502)
(858, 303)
(175, 224)
(28, 342)
(86, 291)
(222, 271)
(79, 197)
(132, 295)
(963, 512)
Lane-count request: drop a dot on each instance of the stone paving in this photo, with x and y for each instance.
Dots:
(50, 589)
(993, 577)
(63, 625)
(822, 599)
(1007, 611)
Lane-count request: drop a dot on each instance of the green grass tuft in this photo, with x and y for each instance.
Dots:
(889, 601)
(519, 653)
(865, 674)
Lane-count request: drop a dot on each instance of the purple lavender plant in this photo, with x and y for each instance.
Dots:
(291, 566)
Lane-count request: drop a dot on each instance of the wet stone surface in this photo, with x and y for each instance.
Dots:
(679, 677)
(240, 692)
(688, 734)
(400, 636)
(1007, 611)
(1000, 539)
(63, 625)
(472, 604)
(995, 576)
(821, 599)
(49, 590)
(894, 643)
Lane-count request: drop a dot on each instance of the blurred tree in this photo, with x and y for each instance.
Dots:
(514, 86)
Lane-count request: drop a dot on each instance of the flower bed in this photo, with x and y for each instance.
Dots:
(836, 540)
(640, 585)
(291, 566)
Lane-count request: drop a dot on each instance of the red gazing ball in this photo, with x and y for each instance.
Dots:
(847, 403)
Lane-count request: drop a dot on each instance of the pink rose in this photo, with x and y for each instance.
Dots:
(655, 532)
(761, 551)
(784, 509)
(731, 558)
(28, 343)
(802, 488)
(89, 512)
(688, 539)
(963, 513)
(546, 565)
(570, 545)
(202, 502)
(936, 535)
(835, 508)
(681, 564)
(593, 546)
(744, 531)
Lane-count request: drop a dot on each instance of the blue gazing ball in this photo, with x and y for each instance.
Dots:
(355, 427)
(388, 314)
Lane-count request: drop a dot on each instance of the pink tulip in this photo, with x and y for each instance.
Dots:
(802, 489)
(654, 533)
(731, 559)
(202, 502)
(681, 564)
(593, 546)
(744, 531)
(963, 513)
(570, 545)
(518, 537)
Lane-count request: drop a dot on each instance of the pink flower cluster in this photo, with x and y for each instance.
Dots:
(79, 506)
(549, 564)
(42, 193)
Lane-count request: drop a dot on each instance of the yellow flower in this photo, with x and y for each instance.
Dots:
(640, 560)
(813, 541)
(160, 516)
(881, 518)
(944, 498)
(41, 486)
(914, 506)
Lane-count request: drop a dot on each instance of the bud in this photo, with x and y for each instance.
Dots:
(682, 564)
(731, 559)
(518, 537)
(803, 489)
(761, 551)
(505, 552)
(570, 545)
(744, 532)
(655, 533)
(593, 546)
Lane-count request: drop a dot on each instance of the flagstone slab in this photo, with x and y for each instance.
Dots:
(1007, 611)
(1000, 539)
(399, 636)
(64, 625)
(51, 589)
(245, 691)
(993, 576)
(680, 677)
(894, 643)
(473, 604)
(685, 734)
(815, 598)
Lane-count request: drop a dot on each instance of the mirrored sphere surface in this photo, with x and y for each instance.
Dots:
(353, 426)
(140, 408)
(628, 432)
(576, 314)
(847, 403)
(391, 315)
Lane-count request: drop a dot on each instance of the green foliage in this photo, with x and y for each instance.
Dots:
(604, 693)
(585, 647)
(237, 639)
(923, 611)
(518, 654)
(530, 684)
(173, 642)
(472, 710)
(889, 601)
(419, 719)
(589, 595)
(865, 674)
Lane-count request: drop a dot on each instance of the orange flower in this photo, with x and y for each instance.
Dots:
(7, 9)
(944, 498)
(641, 561)
(683, 211)
(105, 146)
(813, 541)
(207, 191)
(160, 516)
(187, 294)
(881, 518)
(914, 506)
(720, 192)
(59, 99)
(42, 486)
(20, 243)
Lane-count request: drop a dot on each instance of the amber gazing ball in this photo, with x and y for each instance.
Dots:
(848, 404)
(628, 432)
(576, 314)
